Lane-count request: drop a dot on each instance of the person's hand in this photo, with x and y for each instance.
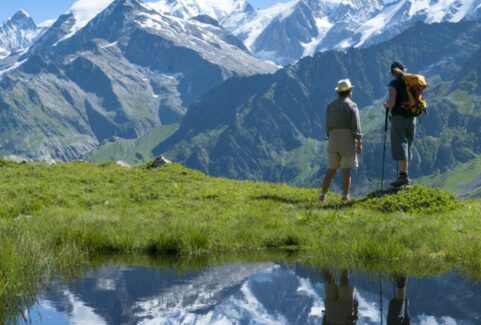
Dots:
(359, 148)
(355, 311)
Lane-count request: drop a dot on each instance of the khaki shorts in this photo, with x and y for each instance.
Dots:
(339, 304)
(342, 160)
(338, 293)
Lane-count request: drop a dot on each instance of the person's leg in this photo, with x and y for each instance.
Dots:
(346, 298)
(344, 278)
(332, 293)
(398, 311)
(328, 180)
(401, 288)
(346, 182)
(348, 162)
(404, 166)
(410, 131)
(401, 294)
(333, 163)
(328, 276)
(400, 142)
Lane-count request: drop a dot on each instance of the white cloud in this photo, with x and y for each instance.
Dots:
(85, 10)
(82, 314)
(47, 23)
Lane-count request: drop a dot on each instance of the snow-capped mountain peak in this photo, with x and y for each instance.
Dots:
(20, 16)
(191, 8)
(18, 32)
(46, 23)
(84, 11)
(286, 32)
(69, 23)
(401, 14)
(446, 10)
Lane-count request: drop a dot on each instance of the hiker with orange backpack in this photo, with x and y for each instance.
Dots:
(405, 102)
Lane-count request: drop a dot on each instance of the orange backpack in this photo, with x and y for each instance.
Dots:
(415, 84)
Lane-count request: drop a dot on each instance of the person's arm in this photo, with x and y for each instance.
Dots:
(391, 102)
(356, 128)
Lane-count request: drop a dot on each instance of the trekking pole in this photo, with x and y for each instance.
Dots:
(384, 150)
(380, 299)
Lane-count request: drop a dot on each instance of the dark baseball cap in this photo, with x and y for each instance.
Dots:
(399, 65)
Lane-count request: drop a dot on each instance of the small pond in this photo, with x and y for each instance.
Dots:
(258, 293)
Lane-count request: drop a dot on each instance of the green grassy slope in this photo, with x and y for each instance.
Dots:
(53, 218)
(133, 151)
(464, 179)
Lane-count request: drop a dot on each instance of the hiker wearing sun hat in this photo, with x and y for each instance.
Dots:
(343, 127)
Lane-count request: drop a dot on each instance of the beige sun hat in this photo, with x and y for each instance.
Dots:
(344, 85)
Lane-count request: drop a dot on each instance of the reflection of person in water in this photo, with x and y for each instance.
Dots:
(398, 312)
(341, 307)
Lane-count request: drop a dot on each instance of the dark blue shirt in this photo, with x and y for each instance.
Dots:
(401, 96)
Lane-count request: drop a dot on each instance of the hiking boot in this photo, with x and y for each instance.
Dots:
(403, 180)
(323, 197)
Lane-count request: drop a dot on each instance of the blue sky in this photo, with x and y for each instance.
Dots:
(42, 10)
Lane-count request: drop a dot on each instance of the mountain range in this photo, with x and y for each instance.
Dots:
(265, 293)
(125, 71)
(305, 27)
(119, 70)
(273, 128)
(285, 32)
(289, 31)
(218, 10)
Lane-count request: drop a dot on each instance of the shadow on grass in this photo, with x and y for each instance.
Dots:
(337, 204)
(280, 199)
(306, 204)
(390, 191)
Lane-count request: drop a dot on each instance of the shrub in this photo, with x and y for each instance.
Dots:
(413, 199)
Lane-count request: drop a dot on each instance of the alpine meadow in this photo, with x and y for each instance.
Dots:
(213, 162)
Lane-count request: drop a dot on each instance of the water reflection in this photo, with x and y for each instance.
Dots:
(340, 305)
(398, 312)
(266, 293)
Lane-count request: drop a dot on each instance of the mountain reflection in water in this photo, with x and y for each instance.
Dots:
(256, 294)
